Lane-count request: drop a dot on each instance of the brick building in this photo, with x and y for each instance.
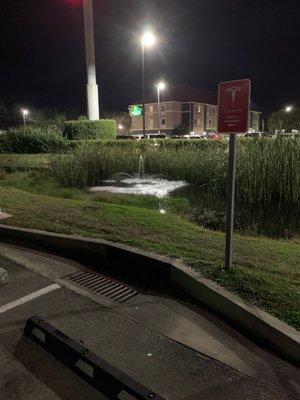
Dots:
(194, 108)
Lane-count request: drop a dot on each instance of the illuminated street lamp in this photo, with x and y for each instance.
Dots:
(147, 40)
(24, 113)
(120, 127)
(159, 86)
(92, 87)
(288, 109)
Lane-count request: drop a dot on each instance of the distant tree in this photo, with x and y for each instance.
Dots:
(282, 120)
(53, 117)
(46, 116)
(121, 118)
(181, 130)
(6, 118)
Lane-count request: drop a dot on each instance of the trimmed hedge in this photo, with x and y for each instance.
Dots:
(30, 140)
(85, 130)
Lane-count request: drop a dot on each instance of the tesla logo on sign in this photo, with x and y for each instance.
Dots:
(233, 91)
(234, 105)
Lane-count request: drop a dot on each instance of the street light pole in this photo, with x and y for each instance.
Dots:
(147, 40)
(158, 109)
(143, 84)
(92, 87)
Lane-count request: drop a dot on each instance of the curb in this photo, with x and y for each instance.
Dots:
(3, 276)
(252, 321)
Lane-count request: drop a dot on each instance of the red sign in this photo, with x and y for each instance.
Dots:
(234, 105)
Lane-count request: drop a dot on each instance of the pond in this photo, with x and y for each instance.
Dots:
(208, 209)
(133, 185)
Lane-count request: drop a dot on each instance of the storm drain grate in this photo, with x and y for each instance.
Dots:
(102, 285)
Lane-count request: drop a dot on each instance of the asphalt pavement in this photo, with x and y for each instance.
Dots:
(177, 350)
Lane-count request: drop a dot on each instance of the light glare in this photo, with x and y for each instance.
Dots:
(148, 39)
(288, 109)
(161, 85)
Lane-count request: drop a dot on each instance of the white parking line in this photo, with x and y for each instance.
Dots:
(28, 297)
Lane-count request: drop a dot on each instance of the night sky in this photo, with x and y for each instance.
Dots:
(201, 42)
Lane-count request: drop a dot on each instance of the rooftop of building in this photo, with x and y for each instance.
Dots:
(185, 94)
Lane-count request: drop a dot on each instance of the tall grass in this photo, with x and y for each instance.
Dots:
(268, 170)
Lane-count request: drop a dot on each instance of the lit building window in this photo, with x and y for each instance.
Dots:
(150, 108)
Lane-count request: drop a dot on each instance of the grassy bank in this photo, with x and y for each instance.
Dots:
(38, 182)
(266, 272)
(208, 210)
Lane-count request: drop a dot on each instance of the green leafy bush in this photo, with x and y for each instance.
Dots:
(85, 130)
(33, 140)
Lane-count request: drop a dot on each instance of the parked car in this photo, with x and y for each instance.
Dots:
(193, 136)
(252, 135)
(156, 136)
(213, 136)
(266, 134)
(125, 137)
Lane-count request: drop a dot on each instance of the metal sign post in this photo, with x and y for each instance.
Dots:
(230, 200)
(233, 118)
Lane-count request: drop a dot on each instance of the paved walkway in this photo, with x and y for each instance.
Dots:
(178, 351)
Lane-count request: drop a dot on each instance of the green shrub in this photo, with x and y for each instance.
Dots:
(33, 140)
(85, 130)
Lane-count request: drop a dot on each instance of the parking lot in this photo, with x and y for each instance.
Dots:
(177, 350)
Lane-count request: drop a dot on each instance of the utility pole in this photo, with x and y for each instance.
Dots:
(143, 87)
(147, 40)
(158, 109)
(92, 87)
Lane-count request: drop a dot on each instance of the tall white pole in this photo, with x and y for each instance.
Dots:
(92, 87)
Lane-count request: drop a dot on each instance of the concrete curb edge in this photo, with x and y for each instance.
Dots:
(252, 321)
